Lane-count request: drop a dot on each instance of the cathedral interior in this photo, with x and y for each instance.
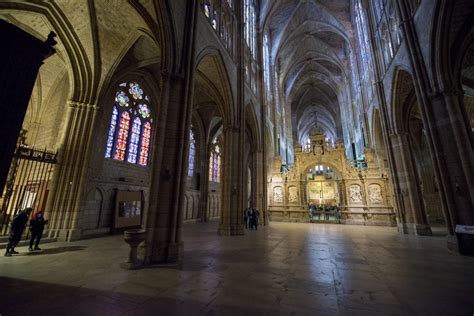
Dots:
(348, 125)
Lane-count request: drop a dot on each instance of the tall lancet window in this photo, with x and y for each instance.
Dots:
(215, 162)
(250, 26)
(250, 36)
(130, 128)
(192, 152)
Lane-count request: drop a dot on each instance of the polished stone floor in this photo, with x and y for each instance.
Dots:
(283, 269)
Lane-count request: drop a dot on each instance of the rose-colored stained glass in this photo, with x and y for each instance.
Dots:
(122, 137)
(145, 144)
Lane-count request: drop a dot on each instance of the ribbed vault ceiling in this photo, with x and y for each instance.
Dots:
(309, 49)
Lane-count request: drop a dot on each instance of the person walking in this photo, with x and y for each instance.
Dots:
(37, 227)
(16, 230)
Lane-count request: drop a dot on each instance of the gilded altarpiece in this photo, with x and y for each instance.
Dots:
(322, 175)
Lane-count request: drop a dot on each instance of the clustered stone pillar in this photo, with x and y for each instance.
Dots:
(415, 220)
(204, 183)
(231, 222)
(70, 174)
(260, 187)
(449, 138)
(164, 244)
(455, 159)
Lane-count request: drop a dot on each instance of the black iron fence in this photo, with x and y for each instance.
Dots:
(27, 183)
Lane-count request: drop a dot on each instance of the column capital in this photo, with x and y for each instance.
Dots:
(81, 105)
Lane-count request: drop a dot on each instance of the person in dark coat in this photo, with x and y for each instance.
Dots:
(254, 213)
(37, 227)
(16, 230)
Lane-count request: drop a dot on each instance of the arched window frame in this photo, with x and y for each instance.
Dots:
(250, 36)
(387, 23)
(221, 17)
(130, 128)
(366, 59)
(215, 161)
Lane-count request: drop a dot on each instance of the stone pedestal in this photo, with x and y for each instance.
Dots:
(134, 238)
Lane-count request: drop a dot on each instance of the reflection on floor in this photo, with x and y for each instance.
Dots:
(287, 268)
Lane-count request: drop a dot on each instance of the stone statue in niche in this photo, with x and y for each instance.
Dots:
(375, 193)
(355, 193)
(277, 195)
(292, 194)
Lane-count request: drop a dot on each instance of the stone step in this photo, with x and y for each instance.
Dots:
(25, 242)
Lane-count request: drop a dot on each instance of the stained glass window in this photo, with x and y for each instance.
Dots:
(121, 142)
(192, 148)
(130, 140)
(250, 25)
(145, 147)
(215, 162)
(110, 136)
(134, 140)
(144, 110)
(122, 99)
(135, 91)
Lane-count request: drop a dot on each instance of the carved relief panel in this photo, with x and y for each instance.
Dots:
(277, 195)
(355, 193)
(292, 194)
(375, 193)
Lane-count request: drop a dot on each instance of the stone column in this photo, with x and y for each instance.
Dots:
(233, 195)
(204, 185)
(70, 174)
(163, 226)
(260, 186)
(455, 158)
(450, 138)
(414, 218)
(163, 243)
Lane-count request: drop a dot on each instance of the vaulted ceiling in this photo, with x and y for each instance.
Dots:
(310, 44)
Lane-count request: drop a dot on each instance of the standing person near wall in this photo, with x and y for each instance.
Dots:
(254, 215)
(37, 227)
(16, 230)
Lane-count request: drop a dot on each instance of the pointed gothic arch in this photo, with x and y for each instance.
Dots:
(212, 74)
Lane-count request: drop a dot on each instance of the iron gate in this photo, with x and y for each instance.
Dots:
(27, 183)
